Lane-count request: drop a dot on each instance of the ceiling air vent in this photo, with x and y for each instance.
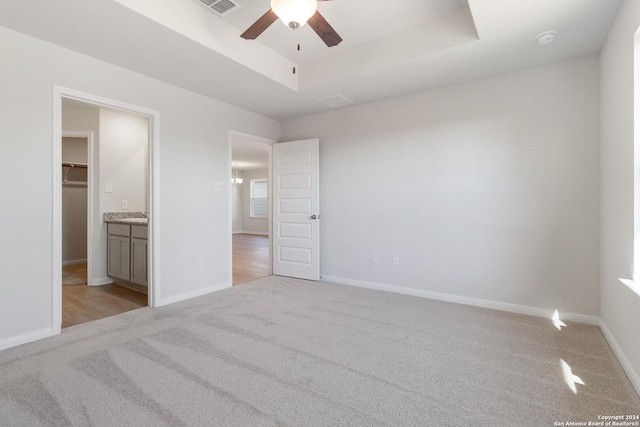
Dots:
(335, 101)
(221, 7)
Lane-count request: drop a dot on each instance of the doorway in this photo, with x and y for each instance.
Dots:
(89, 292)
(250, 207)
(74, 209)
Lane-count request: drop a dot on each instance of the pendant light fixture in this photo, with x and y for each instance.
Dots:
(236, 181)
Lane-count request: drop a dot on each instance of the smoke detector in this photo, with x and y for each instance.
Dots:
(546, 37)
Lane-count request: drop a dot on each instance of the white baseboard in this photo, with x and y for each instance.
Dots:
(100, 281)
(193, 294)
(631, 373)
(26, 338)
(259, 233)
(74, 262)
(512, 308)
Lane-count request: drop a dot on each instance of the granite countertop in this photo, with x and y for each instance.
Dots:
(128, 218)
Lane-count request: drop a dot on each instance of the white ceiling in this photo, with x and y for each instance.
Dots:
(389, 48)
(248, 154)
(345, 16)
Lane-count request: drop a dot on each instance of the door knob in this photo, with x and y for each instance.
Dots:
(315, 216)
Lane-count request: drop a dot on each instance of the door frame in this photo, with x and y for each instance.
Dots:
(88, 135)
(153, 193)
(269, 142)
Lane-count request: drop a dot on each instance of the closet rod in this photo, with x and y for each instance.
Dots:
(74, 165)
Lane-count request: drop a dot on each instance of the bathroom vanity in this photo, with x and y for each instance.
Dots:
(127, 243)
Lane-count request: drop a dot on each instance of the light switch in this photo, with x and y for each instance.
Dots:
(218, 186)
(108, 188)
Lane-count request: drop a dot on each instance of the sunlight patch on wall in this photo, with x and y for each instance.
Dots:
(632, 285)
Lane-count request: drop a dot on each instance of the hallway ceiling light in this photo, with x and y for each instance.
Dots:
(236, 181)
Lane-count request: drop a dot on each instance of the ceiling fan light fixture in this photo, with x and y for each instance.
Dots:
(294, 13)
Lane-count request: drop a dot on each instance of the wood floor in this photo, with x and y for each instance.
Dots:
(250, 257)
(82, 303)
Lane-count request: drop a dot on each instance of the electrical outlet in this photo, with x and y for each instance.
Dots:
(200, 262)
(108, 187)
(125, 204)
(395, 260)
(375, 259)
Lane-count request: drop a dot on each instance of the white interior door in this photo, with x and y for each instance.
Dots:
(296, 213)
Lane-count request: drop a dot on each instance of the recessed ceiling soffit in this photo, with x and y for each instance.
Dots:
(421, 32)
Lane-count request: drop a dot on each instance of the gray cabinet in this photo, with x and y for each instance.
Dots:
(118, 258)
(127, 254)
(139, 261)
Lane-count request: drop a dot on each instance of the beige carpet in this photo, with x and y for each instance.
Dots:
(285, 352)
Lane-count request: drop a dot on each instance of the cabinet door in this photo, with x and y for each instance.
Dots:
(139, 261)
(118, 255)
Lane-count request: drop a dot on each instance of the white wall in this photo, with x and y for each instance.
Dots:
(194, 153)
(486, 190)
(252, 225)
(620, 306)
(124, 151)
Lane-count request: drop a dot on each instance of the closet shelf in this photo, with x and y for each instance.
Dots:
(75, 183)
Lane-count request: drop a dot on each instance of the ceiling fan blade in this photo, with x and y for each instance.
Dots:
(260, 25)
(324, 30)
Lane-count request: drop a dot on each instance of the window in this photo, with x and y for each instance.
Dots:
(259, 198)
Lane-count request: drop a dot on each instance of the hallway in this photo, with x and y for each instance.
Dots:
(250, 257)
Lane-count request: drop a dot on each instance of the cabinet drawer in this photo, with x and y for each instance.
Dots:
(118, 229)
(139, 231)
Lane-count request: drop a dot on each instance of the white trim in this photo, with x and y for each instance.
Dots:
(154, 283)
(270, 206)
(26, 338)
(56, 220)
(60, 92)
(73, 262)
(476, 302)
(193, 294)
(628, 368)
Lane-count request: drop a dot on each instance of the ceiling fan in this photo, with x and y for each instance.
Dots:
(295, 13)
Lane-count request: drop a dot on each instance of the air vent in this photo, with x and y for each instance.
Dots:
(335, 101)
(221, 7)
